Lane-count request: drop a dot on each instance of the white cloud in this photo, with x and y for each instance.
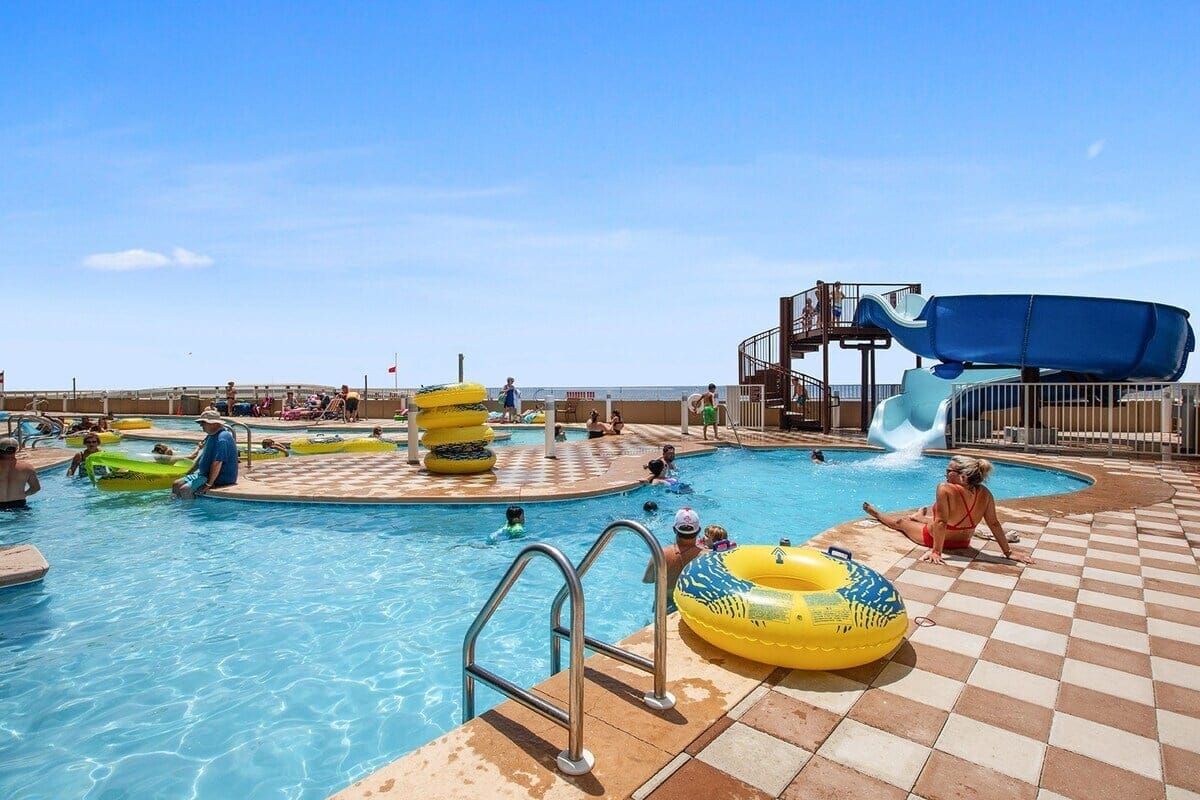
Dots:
(127, 260)
(186, 258)
(1060, 218)
(1095, 149)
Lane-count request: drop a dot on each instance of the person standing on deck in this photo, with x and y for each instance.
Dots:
(509, 394)
(708, 406)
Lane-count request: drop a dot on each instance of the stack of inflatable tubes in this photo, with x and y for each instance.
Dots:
(452, 416)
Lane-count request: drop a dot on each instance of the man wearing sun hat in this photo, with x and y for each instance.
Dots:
(687, 528)
(217, 464)
(18, 479)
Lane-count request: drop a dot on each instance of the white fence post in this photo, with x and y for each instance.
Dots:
(683, 415)
(414, 457)
(549, 406)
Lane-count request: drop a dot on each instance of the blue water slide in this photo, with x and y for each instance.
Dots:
(1106, 339)
(1109, 340)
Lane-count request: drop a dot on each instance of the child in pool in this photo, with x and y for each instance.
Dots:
(514, 527)
(716, 539)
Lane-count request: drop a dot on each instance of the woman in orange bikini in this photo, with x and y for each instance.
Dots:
(962, 502)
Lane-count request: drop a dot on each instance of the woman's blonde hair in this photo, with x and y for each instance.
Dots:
(715, 533)
(975, 470)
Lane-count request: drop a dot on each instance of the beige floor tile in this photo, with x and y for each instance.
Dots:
(995, 748)
(1046, 641)
(1014, 683)
(876, 753)
(1109, 576)
(1109, 745)
(1128, 605)
(1107, 634)
(1187, 578)
(989, 578)
(1046, 576)
(919, 685)
(968, 644)
(926, 579)
(971, 605)
(822, 689)
(1179, 730)
(1174, 630)
(1041, 602)
(755, 758)
(1109, 681)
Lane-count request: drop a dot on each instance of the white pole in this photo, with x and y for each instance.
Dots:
(396, 371)
(414, 457)
(549, 404)
(607, 406)
(171, 404)
(683, 415)
(105, 395)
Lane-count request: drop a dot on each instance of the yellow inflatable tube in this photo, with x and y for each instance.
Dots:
(450, 394)
(441, 437)
(106, 437)
(462, 416)
(259, 453)
(131, 423)
(368, 444)
(461, 463)
(793, 607)
(314, 445)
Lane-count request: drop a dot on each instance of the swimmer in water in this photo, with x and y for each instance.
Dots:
(514, 526)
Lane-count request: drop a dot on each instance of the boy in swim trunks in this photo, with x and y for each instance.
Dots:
(708, 402)
(18, 480)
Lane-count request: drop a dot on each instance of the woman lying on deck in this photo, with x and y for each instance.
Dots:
(961, 503)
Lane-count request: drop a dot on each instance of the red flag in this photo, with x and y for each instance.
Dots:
(392, 368)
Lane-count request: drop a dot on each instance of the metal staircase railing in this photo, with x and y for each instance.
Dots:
(575, 760)
(229, 423)
(659, 699)
(27, 440)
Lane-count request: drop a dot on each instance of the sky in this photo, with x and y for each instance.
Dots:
(610, 194)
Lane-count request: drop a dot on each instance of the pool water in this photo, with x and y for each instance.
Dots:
(218, 649)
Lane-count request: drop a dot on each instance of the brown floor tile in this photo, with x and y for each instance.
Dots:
(1106, 616)
(791, 720)
(1181, 548)
(982, 591)
(704, 739)
(1115, 589)
(946, 777)
(1176, 698)
(1041, 620)
(1098, 561)
(939, 569)
(1107, 709)
(1149, 560)
(777, 675)
(920, 594)
(1130, 550)
(1183, 616)
(971, 623)
(906, 718)
(1058, 547)
(697, 779)
(1109, 656)
(1176, 651)
(1005, 712)
(1047, 589)
(934, 659)
(1181, 768)
(1082, 778)
(1061, 569)
(1159, 585)
(1023, 658)
(822, 779)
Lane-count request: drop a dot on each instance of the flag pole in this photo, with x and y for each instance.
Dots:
(396, 370)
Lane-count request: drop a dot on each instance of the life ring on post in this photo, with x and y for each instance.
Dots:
(693, 403)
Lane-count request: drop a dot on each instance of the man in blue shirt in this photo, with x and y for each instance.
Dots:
(218, 461)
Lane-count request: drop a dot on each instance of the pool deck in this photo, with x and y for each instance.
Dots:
(1076, 677)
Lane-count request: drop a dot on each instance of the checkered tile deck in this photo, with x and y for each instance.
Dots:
(1075, 677)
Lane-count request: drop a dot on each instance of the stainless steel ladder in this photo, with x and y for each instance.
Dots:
(229, 423)
(575, 760)
(26, 440)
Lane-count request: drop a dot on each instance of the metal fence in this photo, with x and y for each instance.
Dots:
(1111, 419)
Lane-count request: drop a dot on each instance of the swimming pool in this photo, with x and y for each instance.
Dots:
(220, 649)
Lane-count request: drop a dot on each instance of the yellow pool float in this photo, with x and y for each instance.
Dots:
(450, 394)
(259, 453)
(368, 444)
(321, 443)
(793, 607)
(460, 416)
(120, 472)
(478, 435)
(106, 437)
(131, 423)
(465, 463)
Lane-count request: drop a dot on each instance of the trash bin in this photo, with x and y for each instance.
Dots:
(835, 411)
(189, 404)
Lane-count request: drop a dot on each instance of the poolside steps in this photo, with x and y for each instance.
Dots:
(21, 564)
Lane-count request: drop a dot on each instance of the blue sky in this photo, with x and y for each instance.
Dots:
(570, 194)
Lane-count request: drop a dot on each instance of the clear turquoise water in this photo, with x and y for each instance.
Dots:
(217, 649)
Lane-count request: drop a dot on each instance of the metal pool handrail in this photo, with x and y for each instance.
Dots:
(574, 760)
(229, 423)
(659, 698)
